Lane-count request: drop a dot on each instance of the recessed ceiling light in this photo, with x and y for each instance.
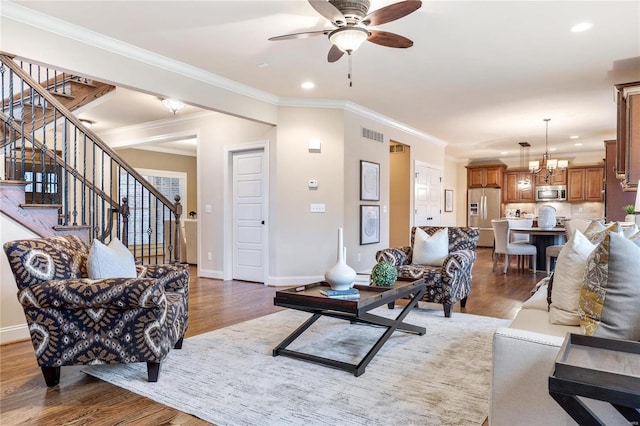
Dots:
(578, 144)
(504, 152)
(553, 149)
(574, 137)
(583, 26)
(308, 85)
(263, 65)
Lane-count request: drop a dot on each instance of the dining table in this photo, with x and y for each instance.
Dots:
(542, 238)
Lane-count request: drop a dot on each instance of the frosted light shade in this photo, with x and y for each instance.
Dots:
(534, 165)
(552, 164)
(348, 39)
(563, 164)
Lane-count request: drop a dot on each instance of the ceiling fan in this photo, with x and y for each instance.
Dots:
(352, 21)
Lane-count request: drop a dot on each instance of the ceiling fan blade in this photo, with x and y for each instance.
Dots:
(329, 11)
(305, 34)
(334, 54)
(391, 13)
(384, 38)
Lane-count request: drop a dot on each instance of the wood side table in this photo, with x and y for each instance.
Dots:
(597, 368)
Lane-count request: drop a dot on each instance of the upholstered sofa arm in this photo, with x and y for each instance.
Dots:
(174, 277)
(461, 260)
(522, 362)
(397, 256)
(84, 293)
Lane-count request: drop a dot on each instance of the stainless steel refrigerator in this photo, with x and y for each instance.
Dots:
(484, 205)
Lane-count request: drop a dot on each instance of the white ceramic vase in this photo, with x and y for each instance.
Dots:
(547, 217)
(630, 218)
(340, 276)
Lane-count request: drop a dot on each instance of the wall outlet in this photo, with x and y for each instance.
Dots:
(209, 256)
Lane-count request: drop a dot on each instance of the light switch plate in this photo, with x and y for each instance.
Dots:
(317, 208)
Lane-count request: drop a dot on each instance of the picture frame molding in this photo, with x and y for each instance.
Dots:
(369, 181)
(366, 210)
(448, 200)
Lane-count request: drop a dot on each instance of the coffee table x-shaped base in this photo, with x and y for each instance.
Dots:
(364, 318)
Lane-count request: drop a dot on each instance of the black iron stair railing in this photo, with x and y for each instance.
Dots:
(65, 163)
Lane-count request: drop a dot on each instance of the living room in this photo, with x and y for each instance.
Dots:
(282, 126)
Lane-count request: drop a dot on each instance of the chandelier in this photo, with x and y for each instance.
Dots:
(549, 166)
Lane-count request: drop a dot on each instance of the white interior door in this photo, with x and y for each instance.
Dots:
(428, 197)
(248, 216)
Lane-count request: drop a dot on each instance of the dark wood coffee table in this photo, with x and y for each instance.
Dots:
(308, 298)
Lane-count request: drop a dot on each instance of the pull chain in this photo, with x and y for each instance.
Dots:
(349, 74)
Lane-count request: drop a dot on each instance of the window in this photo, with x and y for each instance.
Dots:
(147, 216)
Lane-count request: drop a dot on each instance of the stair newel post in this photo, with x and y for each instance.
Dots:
(124, 211)
(177, 238)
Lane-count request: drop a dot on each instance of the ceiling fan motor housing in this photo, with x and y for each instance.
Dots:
(353, 11)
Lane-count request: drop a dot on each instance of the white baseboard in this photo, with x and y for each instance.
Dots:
(14, 333)
(292, 281)
(211, 273)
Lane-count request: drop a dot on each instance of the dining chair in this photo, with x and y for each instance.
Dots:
(505, 247)
(570, 226)
(517, 238)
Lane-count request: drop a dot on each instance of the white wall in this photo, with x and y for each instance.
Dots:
(13, 326)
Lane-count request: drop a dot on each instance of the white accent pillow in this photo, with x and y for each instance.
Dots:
(568, 279)
(112, 261)
(430, 250)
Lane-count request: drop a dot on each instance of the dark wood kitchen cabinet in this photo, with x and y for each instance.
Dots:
(511, 192)
(628, 135)
(485, 176)
(585, 184)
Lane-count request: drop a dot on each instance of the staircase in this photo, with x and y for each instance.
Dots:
(58, 177)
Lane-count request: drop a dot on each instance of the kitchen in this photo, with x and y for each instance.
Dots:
(494, 192)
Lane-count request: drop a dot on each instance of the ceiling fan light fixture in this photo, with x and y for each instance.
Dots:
(348, 39)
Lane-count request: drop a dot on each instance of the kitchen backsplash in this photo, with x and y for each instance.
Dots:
(563, 209)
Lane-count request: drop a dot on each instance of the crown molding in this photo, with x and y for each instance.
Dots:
(74, 32)
(63, 28)
(359, 110)
(157, 124)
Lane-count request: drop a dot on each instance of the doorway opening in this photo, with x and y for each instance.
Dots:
(399, 194)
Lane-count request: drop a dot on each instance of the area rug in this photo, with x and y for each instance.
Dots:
(229, 376)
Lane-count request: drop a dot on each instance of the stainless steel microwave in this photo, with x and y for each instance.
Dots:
(551, 193)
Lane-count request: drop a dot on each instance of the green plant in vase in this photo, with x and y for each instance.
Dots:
(630, 210)
(384, 274)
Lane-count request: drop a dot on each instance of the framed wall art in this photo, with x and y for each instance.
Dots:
(448, 200)
(369, 181)
(369, 225)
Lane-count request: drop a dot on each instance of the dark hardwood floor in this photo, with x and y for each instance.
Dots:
(84, 400)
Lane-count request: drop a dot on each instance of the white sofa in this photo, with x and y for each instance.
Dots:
(523, 358)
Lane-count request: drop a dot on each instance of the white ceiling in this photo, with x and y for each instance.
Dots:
(481, 75)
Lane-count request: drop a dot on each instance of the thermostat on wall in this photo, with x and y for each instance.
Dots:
(313, 183)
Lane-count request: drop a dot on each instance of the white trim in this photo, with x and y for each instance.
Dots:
(292, 281)
(210, 273)
(57, 26)
(227, 216)
(74, 32)
(362, 111)
(153, 125)
(164, 150)
(14, 333)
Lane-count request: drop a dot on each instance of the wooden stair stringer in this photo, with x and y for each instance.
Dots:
(41, 219)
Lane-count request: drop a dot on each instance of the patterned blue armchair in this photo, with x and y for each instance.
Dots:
(75, 320)
(446, 284)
